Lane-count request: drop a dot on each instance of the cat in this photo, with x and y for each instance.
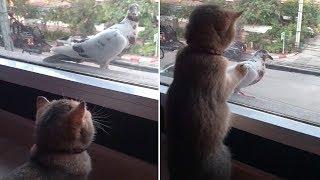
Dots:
(64, 130)
(197, 114)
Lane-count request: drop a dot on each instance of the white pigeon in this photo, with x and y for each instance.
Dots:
(103, 47)
(255, 70)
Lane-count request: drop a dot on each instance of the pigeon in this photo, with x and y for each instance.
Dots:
(103, 47)
(255, 70)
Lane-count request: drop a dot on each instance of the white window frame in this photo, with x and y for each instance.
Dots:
(127, 98)
(280, 129)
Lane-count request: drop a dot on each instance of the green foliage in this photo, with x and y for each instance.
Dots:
(147, 21)
(23, 9)
(147, 49)
(83, 15)
(183, 11)
(177, 11)
(51, 36)
(269, 13)
(311, 12)
(80, 16)
(259, 11)
(261, 41)
(318, 29)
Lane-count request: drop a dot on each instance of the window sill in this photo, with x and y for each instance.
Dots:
(129, 75)
(280, 129)
(128, 98)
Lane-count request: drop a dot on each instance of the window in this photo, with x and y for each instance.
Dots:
(291, 82)
(37, 29)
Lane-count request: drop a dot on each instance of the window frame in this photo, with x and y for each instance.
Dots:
(273, 127)
(127, 98)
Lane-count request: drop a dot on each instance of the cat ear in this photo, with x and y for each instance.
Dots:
(222, 24)
(76, 115)
(41, 102)
(236, 15)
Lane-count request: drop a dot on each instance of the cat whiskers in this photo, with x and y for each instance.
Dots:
(109, 127)
(100, 119)
(101, 126)
(99, 110)
(101, 116)
(99, 122)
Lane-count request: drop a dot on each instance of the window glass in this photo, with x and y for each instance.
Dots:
(113, 39)
(290, 86)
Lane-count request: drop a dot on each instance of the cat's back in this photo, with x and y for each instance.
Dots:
(196, 72)
(196, 88)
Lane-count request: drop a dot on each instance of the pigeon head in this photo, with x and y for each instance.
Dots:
(262, 54)
(133, 12)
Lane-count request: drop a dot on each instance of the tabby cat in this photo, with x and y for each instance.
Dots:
(197, 114)
(64, 130)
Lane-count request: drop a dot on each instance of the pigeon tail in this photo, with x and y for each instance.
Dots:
(67, 51)
(60, 57)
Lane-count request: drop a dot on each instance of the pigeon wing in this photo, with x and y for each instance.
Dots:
(104, 46)
(260, 75)
(78, 47)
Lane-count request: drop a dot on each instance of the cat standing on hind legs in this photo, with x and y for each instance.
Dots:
(197, 114)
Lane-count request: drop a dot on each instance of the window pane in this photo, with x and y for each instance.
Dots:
(85, 35)
(291, 81)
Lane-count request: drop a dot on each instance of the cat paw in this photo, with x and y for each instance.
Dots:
(242, 69)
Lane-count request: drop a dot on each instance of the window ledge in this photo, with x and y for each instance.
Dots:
(115, 73)
(128, 98)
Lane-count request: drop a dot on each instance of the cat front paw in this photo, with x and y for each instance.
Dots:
(242, 69)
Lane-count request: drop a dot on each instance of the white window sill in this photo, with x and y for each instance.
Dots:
(127, 98)
(280, 129)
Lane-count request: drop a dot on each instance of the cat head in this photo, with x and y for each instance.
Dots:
(134, 12)
(211, 27)
(63, 125)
